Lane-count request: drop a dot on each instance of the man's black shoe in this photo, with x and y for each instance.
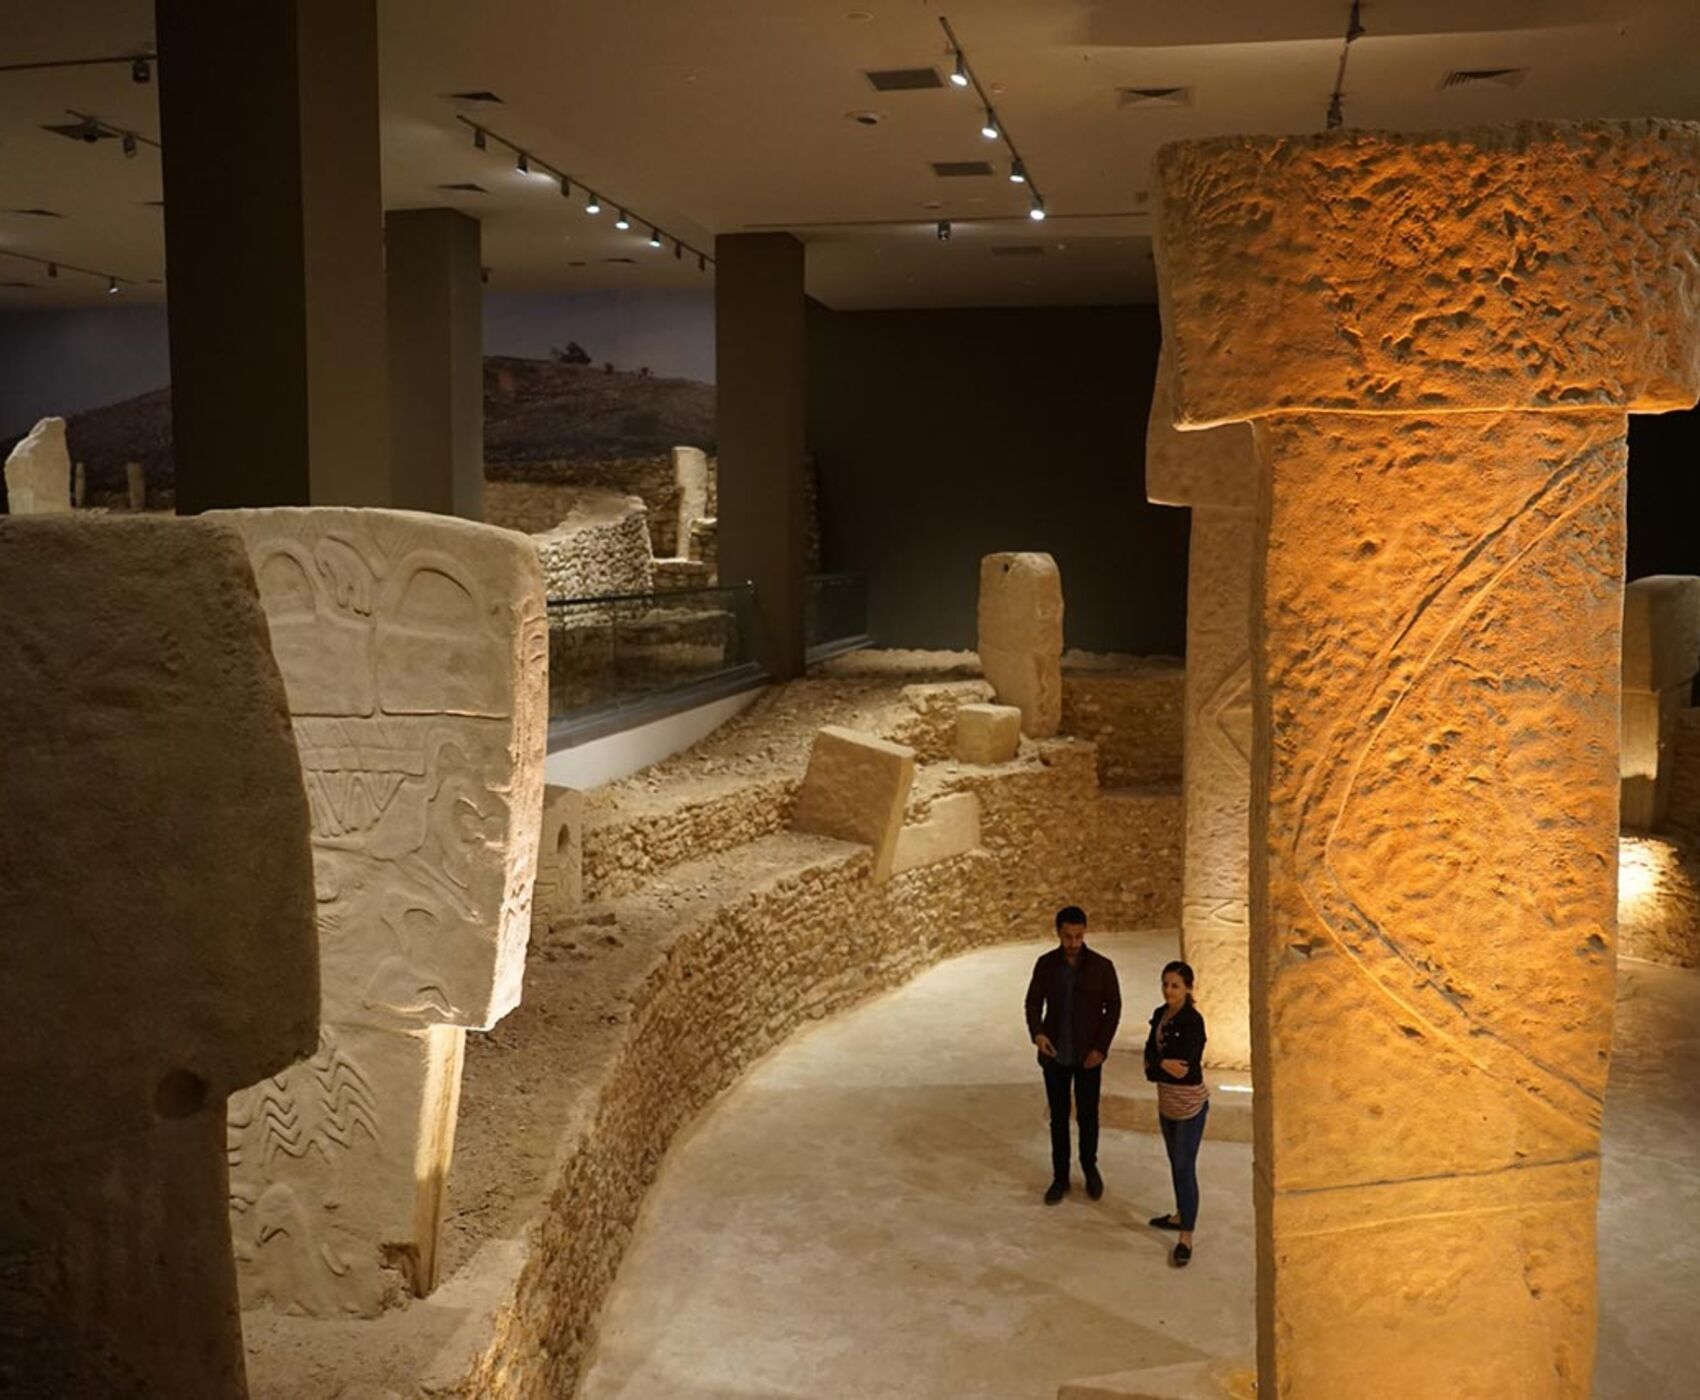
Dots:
(1164, 1222)
(1094, 1183)
(1055, 1192)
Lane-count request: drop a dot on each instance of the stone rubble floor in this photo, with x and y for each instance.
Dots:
(860, 1215)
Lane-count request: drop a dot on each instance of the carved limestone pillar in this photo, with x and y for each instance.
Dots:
(412, 647)
(157, 949)
(1437, 339)
(1215, 473)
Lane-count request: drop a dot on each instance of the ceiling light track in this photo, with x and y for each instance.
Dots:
(140, 64)
(992, 127)
(128, 141)
(55, 266)
(528, 162)
(1336, 117)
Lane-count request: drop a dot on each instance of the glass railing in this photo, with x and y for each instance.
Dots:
(621, 650)
(835, 614)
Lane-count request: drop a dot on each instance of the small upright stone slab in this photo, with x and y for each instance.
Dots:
(1021, 636)
(413, 649)
(157, 944)
(986, 734)
(1661, 656)
(690, 476)
(855, 789)
(38, 471)
(560, 858)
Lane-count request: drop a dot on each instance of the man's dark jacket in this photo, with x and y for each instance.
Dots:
(1097, 1002)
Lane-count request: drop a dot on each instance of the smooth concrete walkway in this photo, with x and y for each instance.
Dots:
(861, 1215)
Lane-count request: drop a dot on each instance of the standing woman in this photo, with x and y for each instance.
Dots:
(1174, 1061)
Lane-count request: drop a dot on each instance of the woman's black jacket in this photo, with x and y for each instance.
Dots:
(1182, 1039)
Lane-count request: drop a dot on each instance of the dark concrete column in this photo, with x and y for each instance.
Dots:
(436, 319)
(760, 373)
(274, 252)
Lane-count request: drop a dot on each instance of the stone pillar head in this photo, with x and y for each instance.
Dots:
(157, 941)
(1021, 636)
(38, 471)
(1519, 267)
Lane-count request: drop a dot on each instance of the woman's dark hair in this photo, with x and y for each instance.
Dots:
(1071, 914)
(1184, 972)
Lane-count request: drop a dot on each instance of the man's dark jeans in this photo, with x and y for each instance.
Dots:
(1182, 1139)
(1060, 1080)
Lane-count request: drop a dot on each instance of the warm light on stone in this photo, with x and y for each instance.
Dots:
(1437, 612)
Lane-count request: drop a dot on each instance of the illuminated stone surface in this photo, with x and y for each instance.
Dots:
(559, 888)
(690, 475)
(157, 947)
(1021, 636)
(412, 647)
(1214, 471)
(952, 828)
(855, 789)
(1661, 655)
(1529, 266)
(1435, 673)
(986, 734)
(38, 471)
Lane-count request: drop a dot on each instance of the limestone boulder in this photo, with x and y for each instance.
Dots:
(855, 789)
(1021, 636)
(38, 471)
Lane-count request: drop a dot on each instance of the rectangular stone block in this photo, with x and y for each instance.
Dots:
(1021, 636)
(855, 789)
(1661, 632)
(986, 734)
(157, 943)
(1645, 758)
(952, 828)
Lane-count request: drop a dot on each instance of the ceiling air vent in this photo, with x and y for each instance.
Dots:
(482, 95)
(464, 187)
(40, 213)
(1154, 97)
(950, 169)
(904, 79)
(1483, 77)
(1017, 250)
(632, 261)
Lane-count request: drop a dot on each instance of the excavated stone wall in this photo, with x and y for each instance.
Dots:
(1133, 714)
(1658, 877)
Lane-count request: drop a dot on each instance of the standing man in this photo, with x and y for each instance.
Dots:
(1073, 1006)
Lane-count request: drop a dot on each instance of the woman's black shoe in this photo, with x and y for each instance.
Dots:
(1055, 1192)
(1182, 1255)
(1094, 1183)
(1164, 1222)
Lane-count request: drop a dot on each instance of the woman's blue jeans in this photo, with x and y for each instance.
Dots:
(1182, 1138)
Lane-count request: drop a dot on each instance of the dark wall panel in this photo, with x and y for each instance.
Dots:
(941, 436)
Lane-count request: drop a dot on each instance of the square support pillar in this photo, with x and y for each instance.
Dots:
(274, 252)
(1437, 339)
(434, 289)
(760, 371)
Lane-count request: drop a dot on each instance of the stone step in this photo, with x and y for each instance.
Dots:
(1129, 1101)
(1191, 1380)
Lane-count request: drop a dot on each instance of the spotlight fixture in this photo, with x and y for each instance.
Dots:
(112, 286)
(53, 269)
(678, 250)
(1017, 173)
(959, 74)
(943, 230)
(592, 205)
(702, 262)
(141, 71)
(622, 223)
(566, 187)
(654, 238)
(522, 164)
(129, 144)
(484, 275)
(1037, 212)
(479, 140)
(989, 129)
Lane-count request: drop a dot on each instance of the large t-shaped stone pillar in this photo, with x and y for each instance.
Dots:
(1437, 339)
(1215, 473)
